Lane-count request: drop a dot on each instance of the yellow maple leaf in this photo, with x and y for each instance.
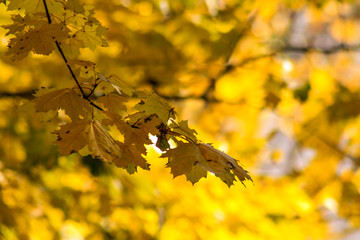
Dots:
(112, 102)
(34, 6)
(194, 160)
(131, 155)
(154, 104)
(182, 128)
(219, 163)
(91, 36)
(74, 136)
(132, 134)
(40, 40)
(67, 99)
(101, 144)
(183, 158)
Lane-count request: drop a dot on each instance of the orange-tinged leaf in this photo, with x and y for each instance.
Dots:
(67, 99)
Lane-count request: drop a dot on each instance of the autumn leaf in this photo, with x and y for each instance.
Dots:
(187, 158)
(112, 102)
(219, 163)
(102, 145)
(40, 40)
(132, 134)
(154, 104)
(67, 99)
(183, 158)
(75, 135)
(183, 129)
(118, 84)
(91, 36)
(131, 155)
(196, 173)
(72, 137)
(71, 47)
(33, 6)
(75, 6)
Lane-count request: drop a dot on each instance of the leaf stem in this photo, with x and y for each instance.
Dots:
(181, 136)
(67, 63)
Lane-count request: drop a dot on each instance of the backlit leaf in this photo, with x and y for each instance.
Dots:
(67, 99)
(40, 40)
(33, 6)
(154, 104)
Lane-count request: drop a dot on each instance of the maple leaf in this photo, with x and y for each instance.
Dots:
(33, 6)
(132, 134)
(118, 84)
(196, 173)
(67, 99)
(182, 128)
(91, 36)
(131, 155)
(183, 158)
(102, 145)
(220, 163)
(40, 40)
(71, 46)
(112, 103)
(74, 136)
(194, 160)
(18, 26)
(154, 104)
(75, 6)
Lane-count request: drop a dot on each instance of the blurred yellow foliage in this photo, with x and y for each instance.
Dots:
(275, 84)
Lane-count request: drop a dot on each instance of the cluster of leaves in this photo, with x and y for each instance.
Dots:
(97, 103)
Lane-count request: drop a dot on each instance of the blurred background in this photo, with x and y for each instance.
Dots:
(275, 84)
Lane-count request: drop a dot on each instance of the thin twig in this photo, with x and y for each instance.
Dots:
(86, 97)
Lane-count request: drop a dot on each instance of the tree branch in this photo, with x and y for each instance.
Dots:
(86, 97)
(27, 94)
(334, 49)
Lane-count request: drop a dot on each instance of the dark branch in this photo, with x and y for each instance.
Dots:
(27, 94)
(67, 63)
(334, 49)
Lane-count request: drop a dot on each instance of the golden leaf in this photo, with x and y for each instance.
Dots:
(40, 40)
(219, 163)
(154, 104)
(67, 99)
(183, 158)
(74, 136)
(33, 6)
